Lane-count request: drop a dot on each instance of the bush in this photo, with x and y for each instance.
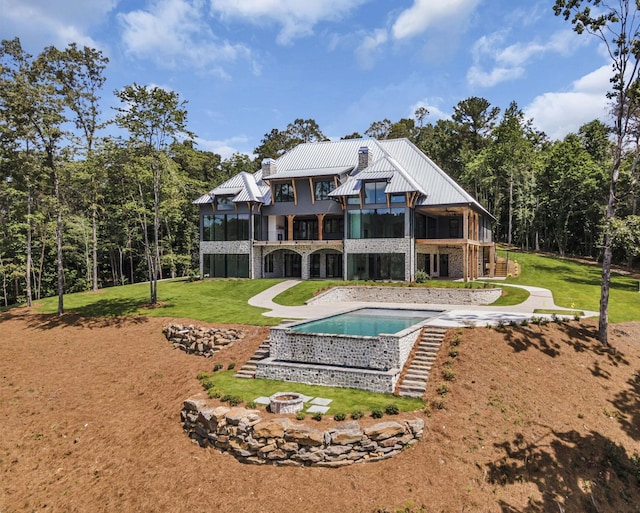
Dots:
(377, 413)
(453, 352)
(301, 415)
(217, 367)
(391, 409)
(231, 366)
(251, 405)
(448, 374)
(339, 417)
(422, 276)
(437, 404)
(317, 416)
(356, 414)
(443, 389)
(233, 400)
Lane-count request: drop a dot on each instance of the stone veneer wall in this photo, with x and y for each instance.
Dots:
(251, 439)
(366, 363)
(440, 296)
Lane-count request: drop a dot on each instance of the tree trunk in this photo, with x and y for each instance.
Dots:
(94, 249)
(56, 186)
(4, 284)
(156, 230)
(29, 262)
(509, 237)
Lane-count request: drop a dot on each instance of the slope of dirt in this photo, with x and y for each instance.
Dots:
(537, 419)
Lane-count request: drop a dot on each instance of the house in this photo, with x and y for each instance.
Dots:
(357, 209)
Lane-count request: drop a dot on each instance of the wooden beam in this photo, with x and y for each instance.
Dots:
(290, 217)
(320, 223)
(313, 194)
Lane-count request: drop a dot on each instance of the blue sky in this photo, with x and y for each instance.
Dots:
(248, 66)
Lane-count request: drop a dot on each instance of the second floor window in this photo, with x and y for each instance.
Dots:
(283, 192)
(374, 193)
(322, 188)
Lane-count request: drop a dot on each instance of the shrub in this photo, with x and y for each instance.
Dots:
(301, 415)
(231, 366)
(427, 409)
(422, 276)
(453, 352)
(339, 417)
(443, 389)
(377, 413)
(235, 400)
(448, 374)
(213, 394)
(251, 405)
(437, 404)
(317, 416)
(356, 414)
(217, 367)
(524, 322)
(456, 340)
(391, 409)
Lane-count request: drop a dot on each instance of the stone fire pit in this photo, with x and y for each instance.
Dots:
(286, 402)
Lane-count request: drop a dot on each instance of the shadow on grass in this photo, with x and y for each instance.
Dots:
(572, 471)
(78, 317)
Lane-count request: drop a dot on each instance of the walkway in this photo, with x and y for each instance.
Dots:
(452, 317)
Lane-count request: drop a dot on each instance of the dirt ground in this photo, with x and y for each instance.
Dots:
(538, 419)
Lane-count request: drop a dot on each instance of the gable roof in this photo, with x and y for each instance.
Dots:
(398, 161)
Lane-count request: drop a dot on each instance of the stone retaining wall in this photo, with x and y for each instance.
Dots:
(438, 296)
(251, 439)
(201, 341)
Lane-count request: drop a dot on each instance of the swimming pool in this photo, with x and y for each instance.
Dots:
(366, 322)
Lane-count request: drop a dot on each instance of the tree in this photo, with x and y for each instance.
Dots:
(618, 27)
(277, 142)
(154, 118)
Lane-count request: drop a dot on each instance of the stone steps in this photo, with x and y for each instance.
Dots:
(248, 370)
(414, 382)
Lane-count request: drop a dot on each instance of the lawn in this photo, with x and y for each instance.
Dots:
(344, 400)
(219, 301)
(577, 285)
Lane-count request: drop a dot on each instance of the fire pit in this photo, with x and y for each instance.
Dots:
(286, 402)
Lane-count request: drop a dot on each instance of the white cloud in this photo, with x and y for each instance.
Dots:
(494, 63)
(370, 44)
(423, 14)
(173, 33)
(434, 111)
(225, 148)
(59, 23)
(558, 113)
(296, 17)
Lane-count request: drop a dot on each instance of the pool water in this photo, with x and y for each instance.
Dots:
(366, 322)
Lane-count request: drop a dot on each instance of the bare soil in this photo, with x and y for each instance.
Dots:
(538, 419)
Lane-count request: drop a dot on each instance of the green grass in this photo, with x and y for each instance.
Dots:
(220, 301)
(577, 286)
(305, 290)
(511, 296)
(344, 400)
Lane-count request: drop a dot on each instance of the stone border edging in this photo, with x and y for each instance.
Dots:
(439, 296)
(251, 439)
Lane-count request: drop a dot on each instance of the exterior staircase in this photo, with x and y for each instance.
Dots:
(414, 382)
(248, 370)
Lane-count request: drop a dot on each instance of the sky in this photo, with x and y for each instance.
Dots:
(246, 67)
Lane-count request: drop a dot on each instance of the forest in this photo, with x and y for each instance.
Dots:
(82, 208)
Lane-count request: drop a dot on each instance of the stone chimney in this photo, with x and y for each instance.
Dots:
(268, 167)
(364, 158)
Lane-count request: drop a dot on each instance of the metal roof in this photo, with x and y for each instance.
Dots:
(205, 199)
(302, 173)
(397, 161)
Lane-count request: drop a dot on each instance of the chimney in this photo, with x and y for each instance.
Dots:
(268, 167)
(364, 158)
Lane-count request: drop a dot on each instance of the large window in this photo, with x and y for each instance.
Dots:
(376, 223)
(282, 192)
(454, 228)
(375, 266)
(224, 203)
(333, 228)
(226, 266)
(322, 188)
(305, 229)
(225, 227)
(374, 193)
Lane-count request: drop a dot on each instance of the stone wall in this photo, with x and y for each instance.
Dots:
(427, 295)
(201, 341)
(251, 439)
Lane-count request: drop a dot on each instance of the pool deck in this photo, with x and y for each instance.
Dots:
(454, 316)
